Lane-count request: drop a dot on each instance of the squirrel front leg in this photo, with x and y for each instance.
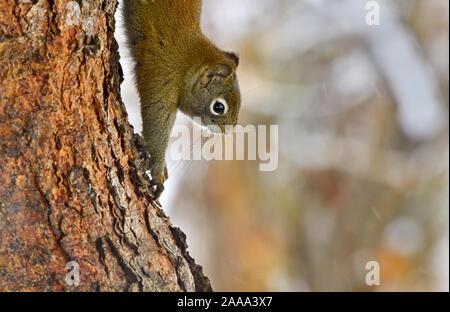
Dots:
(158, 117)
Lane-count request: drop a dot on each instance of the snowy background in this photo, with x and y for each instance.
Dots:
(363, 149)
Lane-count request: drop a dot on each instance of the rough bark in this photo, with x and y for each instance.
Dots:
(72, 180)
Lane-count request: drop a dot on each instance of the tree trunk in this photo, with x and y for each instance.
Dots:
(72, 181)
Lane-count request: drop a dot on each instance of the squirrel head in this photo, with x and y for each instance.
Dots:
(212, 93)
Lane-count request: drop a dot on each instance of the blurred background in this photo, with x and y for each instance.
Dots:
(363, 170)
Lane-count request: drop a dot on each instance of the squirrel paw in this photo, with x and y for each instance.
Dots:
(158, 181)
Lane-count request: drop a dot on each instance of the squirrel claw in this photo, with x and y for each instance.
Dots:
(158, 191)
(158, 182)
(158, 188)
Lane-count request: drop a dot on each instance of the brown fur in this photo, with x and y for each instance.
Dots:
(177, 67)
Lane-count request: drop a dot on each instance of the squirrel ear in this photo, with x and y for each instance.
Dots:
(234, 57)
(221, 70)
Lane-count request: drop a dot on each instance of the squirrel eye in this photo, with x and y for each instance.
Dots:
(219, 107)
